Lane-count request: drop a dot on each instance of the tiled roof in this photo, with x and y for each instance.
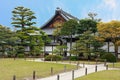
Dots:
(64, 14)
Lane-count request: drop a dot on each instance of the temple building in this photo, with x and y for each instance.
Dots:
(59, 17)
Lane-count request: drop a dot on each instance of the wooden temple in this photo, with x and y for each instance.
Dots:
(59, 17)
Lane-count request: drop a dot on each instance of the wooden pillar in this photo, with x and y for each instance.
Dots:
(58, 77)
(52, 49)
(14, 77)
(51, 71)
(108, 46)
(85, 71)
(34, 75)
(54, 38)
(73, 75)
(44, 48)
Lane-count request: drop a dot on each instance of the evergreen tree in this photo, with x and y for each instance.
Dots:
(7, 39)
(87, 25)
(22, 17)
(69, 29)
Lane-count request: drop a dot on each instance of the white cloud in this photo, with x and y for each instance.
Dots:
(112, 4)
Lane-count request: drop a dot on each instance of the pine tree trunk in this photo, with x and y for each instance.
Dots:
(70, 43)
(116, 51)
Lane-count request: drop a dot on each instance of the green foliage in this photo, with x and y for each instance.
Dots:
(97, 48)
(22, 17)
(109, 57)
(28, 34)
(20, 55)
(69, 27)
(53, 58)
(110, 31)
(83, 44)
(87, 25)
(6, 34)
(60, 49)
(33, 38)
(86, 45)
(20, 49)
(73, 58)
(7, 39)
(92, 16)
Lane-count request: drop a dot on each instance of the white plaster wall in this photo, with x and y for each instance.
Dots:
(49, 31)
(27, 48)
(49, 48)
(68, 45)
(105, 47)
(119, 56)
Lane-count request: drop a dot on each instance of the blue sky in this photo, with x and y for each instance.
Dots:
(107, 10)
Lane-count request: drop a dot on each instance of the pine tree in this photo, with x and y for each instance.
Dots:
(22, 17)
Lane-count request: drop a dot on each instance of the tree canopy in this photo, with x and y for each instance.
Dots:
(87, 25)
(110, 30)
(22, 17)
(69, 29)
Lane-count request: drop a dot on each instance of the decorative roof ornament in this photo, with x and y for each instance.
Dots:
(58, 8)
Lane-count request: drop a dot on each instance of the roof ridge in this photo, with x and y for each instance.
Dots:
(69, 14)
(64, 14)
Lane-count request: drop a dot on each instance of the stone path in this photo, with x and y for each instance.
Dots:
(77, 73)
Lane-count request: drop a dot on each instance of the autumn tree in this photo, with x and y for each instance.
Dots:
(110, 30)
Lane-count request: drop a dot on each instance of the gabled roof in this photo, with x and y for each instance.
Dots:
(62, 13)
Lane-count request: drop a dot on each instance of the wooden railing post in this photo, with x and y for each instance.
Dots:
(51, 70)
(85, 71)
(95, 68)
(14, 77)
(73, 75)
(65, 68)
(58, 77)
(33, 75)
(77, 66)
(106, 67)
(105, 62)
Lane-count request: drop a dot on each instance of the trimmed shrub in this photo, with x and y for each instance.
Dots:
(53, 57)
(20, 55)
(109, 57)
(73, 58)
